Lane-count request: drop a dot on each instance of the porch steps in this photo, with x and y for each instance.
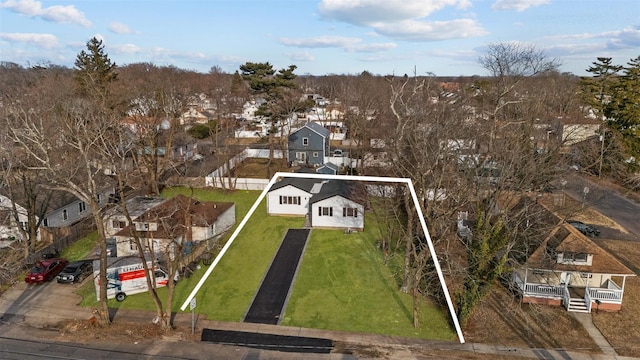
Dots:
(578, 305)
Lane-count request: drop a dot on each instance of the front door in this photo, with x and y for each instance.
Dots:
(301, 156)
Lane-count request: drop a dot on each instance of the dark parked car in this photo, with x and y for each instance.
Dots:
(586, 229)
(45, 270)
(75, 272)
(112, 248)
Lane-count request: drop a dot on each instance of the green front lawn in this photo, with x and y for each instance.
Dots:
(342, 283)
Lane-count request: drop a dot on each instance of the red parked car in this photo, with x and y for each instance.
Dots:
(45, 270)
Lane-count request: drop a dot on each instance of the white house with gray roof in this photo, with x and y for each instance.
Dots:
(331, 204)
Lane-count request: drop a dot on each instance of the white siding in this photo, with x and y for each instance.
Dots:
(110, 230)
(225, 222)
(337, 220)
(275, 208)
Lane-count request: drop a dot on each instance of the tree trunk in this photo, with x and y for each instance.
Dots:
(103, 312)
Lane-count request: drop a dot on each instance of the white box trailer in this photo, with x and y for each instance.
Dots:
(125, 276)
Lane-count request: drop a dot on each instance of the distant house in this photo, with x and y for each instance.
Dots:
(9, 226)
(309, 145)
(328, 168)
(179, 220)
(193, 116)
(570, 270)
(67, 210)
(326, 204)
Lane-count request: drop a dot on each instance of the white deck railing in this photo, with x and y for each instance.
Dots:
(542, 290)
(606, 295)
(592, 294)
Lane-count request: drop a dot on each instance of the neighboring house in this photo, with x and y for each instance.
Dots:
(114, 219)
(570, 270)
(9, 227)
(179, 220)
(193, 116)
(328, 168)
(574, 132)
(309, 145)
(326, 204)
(183, 146)
(67, 210)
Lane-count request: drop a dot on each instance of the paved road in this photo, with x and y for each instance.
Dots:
(607, 201)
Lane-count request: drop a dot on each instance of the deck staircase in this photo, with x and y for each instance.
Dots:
(578, 305)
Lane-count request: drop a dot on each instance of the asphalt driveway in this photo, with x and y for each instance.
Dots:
(269, 302)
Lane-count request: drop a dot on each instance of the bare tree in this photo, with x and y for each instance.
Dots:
(68, 140)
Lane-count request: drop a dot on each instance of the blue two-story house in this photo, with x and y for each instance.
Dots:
(309, 145)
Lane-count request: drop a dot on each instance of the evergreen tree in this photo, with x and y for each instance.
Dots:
(597, 92)
(94, 71)
(598, 89)
(280, 91)
(625, 112)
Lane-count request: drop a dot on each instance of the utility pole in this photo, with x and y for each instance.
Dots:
(602, 132)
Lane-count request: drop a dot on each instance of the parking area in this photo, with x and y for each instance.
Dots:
(44, 304)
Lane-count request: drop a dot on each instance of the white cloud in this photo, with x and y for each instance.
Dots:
(56, 13)
(365, 12)
(126, 49)
(627, 38)
(321, 42)
(303, 56)
(518, 5)
(370, 48)
(403, 19)
(349, 44)
(412, 30)
(46, 41)
(120, 28)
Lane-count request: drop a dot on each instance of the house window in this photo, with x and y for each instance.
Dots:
(23, 225)
(305, 141)
(132, 245)
(571, 257)
(315, 154)
(65, 215)
(82, 206)
(45, 222)
(290, 200)
(350, 212)
(117, 224)
(325, 211)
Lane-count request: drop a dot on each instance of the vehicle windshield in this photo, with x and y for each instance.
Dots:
(37, 269)
(71, 268)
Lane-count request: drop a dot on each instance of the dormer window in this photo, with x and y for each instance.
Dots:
(575, 258)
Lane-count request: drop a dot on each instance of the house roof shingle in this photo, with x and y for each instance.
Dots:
(565, 238)
(171, 216)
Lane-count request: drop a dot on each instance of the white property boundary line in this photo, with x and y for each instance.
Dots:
(277, 175)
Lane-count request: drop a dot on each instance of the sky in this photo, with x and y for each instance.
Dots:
(320, 37)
